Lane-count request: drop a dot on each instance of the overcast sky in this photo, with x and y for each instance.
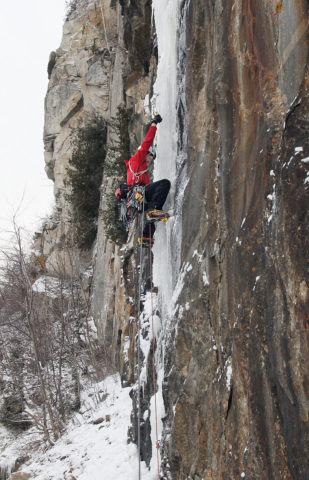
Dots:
(29, 31)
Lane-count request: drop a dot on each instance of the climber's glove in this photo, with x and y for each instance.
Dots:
(156, 119)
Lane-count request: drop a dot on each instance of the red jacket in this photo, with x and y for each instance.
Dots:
(137, 163)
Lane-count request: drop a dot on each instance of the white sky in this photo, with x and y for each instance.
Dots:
(29, 31)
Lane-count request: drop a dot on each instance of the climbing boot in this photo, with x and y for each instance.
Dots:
(156, 216)
(145, 242)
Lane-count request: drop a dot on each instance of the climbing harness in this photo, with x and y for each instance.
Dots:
(136, 175)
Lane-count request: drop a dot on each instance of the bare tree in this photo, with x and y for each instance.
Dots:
(47, 340)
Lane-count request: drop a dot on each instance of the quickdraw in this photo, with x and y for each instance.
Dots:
(132, 205)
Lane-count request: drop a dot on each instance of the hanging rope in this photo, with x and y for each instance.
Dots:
(153, 355)
(139, 344)
(104, 26)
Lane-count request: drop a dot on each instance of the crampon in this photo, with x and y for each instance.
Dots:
(156, 216)
(145, 241)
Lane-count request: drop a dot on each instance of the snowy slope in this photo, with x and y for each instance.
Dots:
(91, 450)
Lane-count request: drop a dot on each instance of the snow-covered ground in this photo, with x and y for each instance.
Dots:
(95, 446)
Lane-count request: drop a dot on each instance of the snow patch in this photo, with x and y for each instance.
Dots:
(298, 150)
(243, 221)
(205, 279)
(126, 345)
(146, 105)
(50, 286)
(198, 255)
(188, 267)
(229, 372)
(179, 286)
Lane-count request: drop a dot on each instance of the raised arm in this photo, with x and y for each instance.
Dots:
(150, 135)
(148, 141)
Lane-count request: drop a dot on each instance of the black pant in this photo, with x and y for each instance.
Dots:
(156, 193)
(155, 196)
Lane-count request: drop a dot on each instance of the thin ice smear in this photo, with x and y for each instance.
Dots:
(165, 97)
(164, 102)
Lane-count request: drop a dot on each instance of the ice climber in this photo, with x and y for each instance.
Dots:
(138, 174)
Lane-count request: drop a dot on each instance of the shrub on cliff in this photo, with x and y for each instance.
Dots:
(84, 177)
(119, 147)
(119, 150)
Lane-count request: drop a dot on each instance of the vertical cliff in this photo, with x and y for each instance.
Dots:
(236, 365)
(85, 83)
(230, 80)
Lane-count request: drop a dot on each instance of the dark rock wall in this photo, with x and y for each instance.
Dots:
(137, 36)
(235, 395)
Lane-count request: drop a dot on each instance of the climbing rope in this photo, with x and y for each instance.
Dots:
(104, 26)
(154, 370)
(139, 339)
(139, 346)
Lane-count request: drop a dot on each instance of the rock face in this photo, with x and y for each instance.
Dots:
(82, 85)
(236, 357)
(106, 58)
(236, 395)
